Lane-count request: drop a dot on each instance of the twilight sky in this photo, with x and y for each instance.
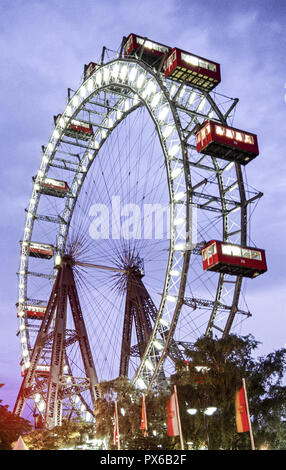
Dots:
(43, 47)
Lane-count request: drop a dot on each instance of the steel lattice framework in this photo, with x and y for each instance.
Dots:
(118, 89)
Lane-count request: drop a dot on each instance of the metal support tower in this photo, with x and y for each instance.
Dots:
(53, 335)
(139, 308)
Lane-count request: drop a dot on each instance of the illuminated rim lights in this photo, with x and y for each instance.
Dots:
(145, 88)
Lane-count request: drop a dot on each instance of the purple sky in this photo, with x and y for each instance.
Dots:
(44, 46)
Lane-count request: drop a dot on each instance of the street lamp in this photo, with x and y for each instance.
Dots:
(209, 411)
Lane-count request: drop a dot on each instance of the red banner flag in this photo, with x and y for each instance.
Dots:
(242, 423)
(116, 427)
(144, 427)
(172, 417)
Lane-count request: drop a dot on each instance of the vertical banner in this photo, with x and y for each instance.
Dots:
(242, 415)
(116, 428)
(173, 417)
(240, 412)
(144, 426)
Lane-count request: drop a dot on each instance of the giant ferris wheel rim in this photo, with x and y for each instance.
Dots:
(52, 145)
(71, 110)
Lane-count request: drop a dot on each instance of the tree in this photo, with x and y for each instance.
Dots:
(69, 436)
(11, 427)
(215, 371)
(129, 404)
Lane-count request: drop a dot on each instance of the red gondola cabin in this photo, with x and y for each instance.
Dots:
(41, 250)
(35, 312)
(89, 69)
(225, 142)
(41, 371)
(77, 129)
(53, 187)
(150, 52)
(233, 259)
(191, 69)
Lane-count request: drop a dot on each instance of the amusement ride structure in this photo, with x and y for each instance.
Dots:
(136, 238)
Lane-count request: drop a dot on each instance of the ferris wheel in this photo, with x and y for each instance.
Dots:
(111, 278)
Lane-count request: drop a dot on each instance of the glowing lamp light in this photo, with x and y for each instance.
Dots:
(233, 187)
(173, 150)
(115, 71)
(158, 345)
(149, 365)
(163, 113)
(176, 172)
(133, 74)
(61, 122)
(119, 115)
(90, 85)
(171, 298)
(192, 97)
(168, 131)
(37, 398)
(50, 147)
(173, 90)
(140, 383)
(150, 88)
(75, 101)
(42, 406)
(56, 134)
(192, 411)
(179, 221)
(106, 74)
(58, 260)
(123, 72)
(83, 91)
(126, 105)
(136, 99)
(174, 272)
(210, 410)
(155, 101)
(98, 78)
(68, 110)
(140, 80)
(180, 247)
(201, 105)
(179, 196)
